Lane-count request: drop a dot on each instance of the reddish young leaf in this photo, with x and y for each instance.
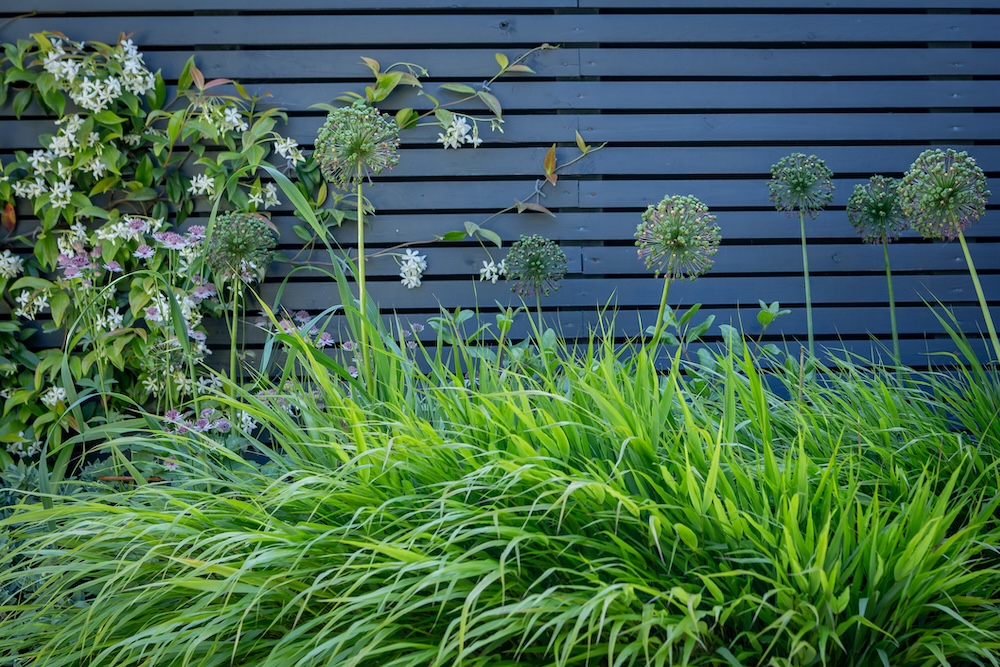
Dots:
(197, 77)
(550, 165)
(532, 206)
(9, 217)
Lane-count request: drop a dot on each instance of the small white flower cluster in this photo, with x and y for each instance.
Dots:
(24, 448)
(492, 271)
(460, 133)
(30, 303)
(220, 115)
(266, 196)
(288, 148)
(10, 265)
(88, 86)
(53, 396)
(412, 269)
(201, 184)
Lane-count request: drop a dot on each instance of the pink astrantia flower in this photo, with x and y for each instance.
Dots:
(144, 252)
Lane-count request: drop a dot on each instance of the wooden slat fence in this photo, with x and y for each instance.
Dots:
(698, 97)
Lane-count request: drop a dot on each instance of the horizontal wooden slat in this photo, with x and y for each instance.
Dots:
(330, 64)
(906, 5)
(782, 96)
(722, 192)
(828, 321)
(529, 29)
(700, 62)
(100, 6)
(835, 258)
(730, 259)
(626, 292)
(956, 128)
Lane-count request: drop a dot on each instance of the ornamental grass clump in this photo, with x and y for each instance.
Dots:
(593, 513)
(535, 264)
(804, 184)
(677, 238)
(876, 212)
(355, 143)
(942, 194)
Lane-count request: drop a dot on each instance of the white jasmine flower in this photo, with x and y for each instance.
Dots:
(288, 148)
(10, 265)
(411, 269)
(460, 133)
(202, 185)
(52, 397)
(492, 271)
(271, 195)
(233, 120)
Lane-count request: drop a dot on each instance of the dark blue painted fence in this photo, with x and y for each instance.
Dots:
(697, 97)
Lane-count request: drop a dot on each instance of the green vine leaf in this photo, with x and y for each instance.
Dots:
(459, 88)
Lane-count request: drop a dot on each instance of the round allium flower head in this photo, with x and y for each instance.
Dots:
(355, 143)
(678, 237)
(876, 211)
(801, 183)
(536, 265)
(241, 245)
(943, 193)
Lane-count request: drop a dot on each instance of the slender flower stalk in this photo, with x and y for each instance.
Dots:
(804, 184)
(355, 143)
(875, 211)
(942, 193)
(679, 239)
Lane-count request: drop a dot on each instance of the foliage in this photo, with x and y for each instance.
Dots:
(592, 510)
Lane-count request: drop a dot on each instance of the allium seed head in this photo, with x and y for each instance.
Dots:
(536, 265)
(241, 245)
(801, 183)
(875, 210)
(943, 193)
(355, 143)
(678, 238)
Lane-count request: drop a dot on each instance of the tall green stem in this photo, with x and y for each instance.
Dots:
(538, 312)
(362, 300)
(892, 305)
(982, 299)
(805, 274)
(661, 311)
(233, 337)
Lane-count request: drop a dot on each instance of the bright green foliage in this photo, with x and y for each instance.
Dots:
(590, 511)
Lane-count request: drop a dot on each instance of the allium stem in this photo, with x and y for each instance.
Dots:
(233, 337)
(362, 301)
(805, 274)
(982, 299)
(892, 305)
(658, 327)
